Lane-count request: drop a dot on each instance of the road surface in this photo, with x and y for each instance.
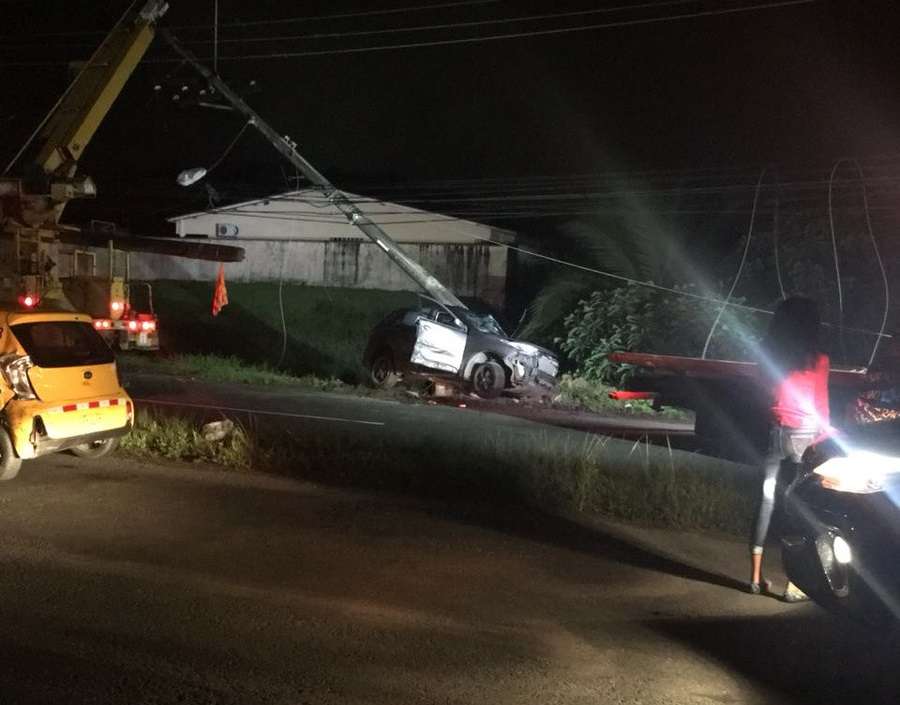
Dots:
(130, 583)
(398, 422)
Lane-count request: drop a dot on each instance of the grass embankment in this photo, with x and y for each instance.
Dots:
(216, 368)
(327, 332)
(327, 328)
(610, 478)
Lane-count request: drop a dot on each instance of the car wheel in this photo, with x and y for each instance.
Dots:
(382, 373)
(96, 449)
(10, 463)
(488, 380)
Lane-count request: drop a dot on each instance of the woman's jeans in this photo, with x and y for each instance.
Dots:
(786, 445)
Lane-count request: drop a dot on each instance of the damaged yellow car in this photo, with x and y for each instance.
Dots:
(59, 389)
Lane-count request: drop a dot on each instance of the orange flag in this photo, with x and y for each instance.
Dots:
(220, 295)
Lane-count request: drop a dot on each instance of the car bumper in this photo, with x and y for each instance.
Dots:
(38, 427)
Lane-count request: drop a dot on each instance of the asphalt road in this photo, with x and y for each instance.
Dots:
(440, 425)
(128, 583)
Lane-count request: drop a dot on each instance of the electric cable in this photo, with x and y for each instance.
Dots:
(447, 25)
(837, 264)
(229, 147)
(737, 276)
(468, 40)
(414, 28)
(348, 15)
(649, 285)
(286, 20)
(511, 35)
(629, 280)
(884, 278)
(281, 306)
(775, 237)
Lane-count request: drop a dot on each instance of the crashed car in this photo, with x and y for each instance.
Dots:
(59, 388)
(454, 343)
(843, 539)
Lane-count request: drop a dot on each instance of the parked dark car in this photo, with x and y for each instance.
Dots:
(842, 544)
(468, 348)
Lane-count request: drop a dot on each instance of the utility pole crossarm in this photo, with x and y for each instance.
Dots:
(337, 198)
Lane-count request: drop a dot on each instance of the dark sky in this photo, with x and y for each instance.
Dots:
(798, 86)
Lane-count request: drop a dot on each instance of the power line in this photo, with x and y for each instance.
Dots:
(469, 40)
(285, 20)
(415, 28)
(737, 277)
(452, 25)
(513, 35)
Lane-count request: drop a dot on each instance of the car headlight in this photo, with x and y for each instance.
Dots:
(15, 372)
(860, 472)
(842, 552)
(548, 365)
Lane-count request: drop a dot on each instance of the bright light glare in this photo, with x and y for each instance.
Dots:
(842, 553)
(861, 472)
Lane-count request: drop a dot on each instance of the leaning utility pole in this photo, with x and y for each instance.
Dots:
(337, 198)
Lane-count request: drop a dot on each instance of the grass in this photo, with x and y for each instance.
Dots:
(216, 368)
(600, 476)
(327, 328)
(580, 393)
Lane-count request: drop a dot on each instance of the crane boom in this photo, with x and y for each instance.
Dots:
(434, 288)
(88, 99)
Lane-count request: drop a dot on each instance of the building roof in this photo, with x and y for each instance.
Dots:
(306, 214)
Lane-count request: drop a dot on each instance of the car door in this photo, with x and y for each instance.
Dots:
(440, 343)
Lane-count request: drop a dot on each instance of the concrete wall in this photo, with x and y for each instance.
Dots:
(469, 270)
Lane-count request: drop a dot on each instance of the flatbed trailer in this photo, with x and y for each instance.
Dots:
(727, 398)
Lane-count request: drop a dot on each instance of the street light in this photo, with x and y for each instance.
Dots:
(189, 177)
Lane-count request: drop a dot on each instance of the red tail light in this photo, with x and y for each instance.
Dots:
(132, 325)
(102, 324)
(29, 300)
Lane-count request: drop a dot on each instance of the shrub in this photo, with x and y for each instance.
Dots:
(634, 317)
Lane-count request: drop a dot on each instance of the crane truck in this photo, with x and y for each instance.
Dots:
(34, 242)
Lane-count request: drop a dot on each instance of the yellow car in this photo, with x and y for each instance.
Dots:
(59, 389)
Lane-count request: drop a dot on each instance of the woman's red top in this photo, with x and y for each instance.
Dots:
(801, 398)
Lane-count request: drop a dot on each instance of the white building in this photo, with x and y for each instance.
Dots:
(299, 236)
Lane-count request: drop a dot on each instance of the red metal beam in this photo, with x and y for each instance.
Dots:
(716, 369)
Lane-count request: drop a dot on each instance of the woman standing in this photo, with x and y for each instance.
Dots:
(795, 371)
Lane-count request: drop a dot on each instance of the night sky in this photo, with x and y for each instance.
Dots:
(795, 86)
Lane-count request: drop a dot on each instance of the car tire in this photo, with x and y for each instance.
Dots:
(488, 380)
(97, 449)
(382, 373)
(10, 463)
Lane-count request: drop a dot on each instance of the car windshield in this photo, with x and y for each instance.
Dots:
(63, 344)
(483, 323)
